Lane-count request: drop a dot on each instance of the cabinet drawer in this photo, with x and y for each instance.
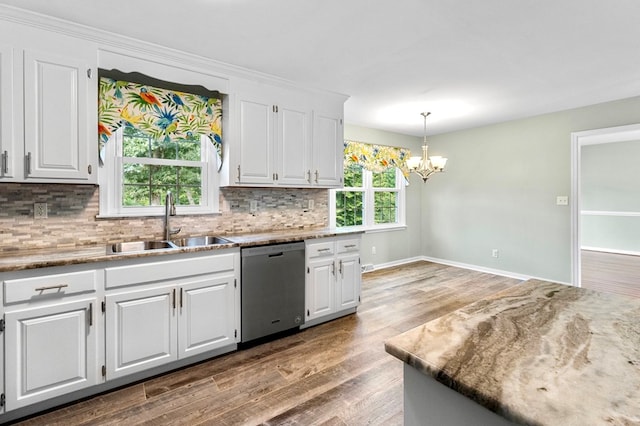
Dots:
(120, 276)
(321, 249)
(345, 246)
(26, 289)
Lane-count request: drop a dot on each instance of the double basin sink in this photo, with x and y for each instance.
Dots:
(138, 246)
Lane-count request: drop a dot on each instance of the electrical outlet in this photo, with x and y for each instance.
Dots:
(373, 250)
(253, 206)
(40, 211)
(562, 200)
(312, 204)
(495, 253)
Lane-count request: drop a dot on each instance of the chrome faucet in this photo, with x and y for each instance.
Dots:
(169, 210)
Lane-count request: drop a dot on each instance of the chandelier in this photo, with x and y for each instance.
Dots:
(425, 166)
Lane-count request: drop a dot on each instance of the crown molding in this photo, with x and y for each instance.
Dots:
(118, 43)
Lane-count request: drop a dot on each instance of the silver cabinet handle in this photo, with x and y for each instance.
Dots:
(333, 268)
(174, 298)
(52, 287)
(340, 269)
(90, 314)
(324, 249)
(28, 164)
(5, 162)
(317, 173)
(238, 173)
(181, 297)
(309, 176)
(349, 246)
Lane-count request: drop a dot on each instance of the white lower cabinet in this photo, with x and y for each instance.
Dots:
(51, 351)
(333, 276)
(166, 316)
(348, 278)
(320, 287)
(141, 330)
(207, 315)
(52, 330)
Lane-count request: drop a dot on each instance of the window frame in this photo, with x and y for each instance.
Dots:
(110, 179)
(368, 191)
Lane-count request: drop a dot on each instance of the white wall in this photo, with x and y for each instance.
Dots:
(392, 246)
(610, 182)
(500, 188)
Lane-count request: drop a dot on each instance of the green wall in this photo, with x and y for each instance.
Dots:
(500, 187)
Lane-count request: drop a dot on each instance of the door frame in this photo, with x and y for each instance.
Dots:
(578, 140)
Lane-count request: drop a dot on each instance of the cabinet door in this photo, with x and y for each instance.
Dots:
(349, 279)
(256, 141)
(141, 330)
(328, 150)
(294, 147)
(207, 315)
(50, 351)
(10, 153)
(57, 107)
(320, 285)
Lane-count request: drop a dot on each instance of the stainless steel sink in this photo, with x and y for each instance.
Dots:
(199, 241)
(139, 246)
(135, 246)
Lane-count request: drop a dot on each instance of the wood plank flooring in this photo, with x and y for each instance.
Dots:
(336, 373)
(611, 272)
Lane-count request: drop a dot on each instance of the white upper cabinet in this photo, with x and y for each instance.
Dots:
(56, 120)
(48, 108)
(278, 138)
(8, 138)
(328, 148)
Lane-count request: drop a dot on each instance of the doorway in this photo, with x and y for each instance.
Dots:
(606, 209)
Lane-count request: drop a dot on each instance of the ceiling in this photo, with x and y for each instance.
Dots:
(470, 63)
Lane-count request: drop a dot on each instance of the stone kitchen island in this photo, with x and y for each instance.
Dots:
(539, 353)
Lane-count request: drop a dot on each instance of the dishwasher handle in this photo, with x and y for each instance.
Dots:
(276, 254)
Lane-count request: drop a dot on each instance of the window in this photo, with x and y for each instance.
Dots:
(139, 170)
(155, 140)
(369, 200)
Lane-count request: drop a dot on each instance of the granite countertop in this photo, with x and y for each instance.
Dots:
(31, 259)
(539, 353)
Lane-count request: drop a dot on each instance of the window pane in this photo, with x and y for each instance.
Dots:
(164, 149)
(189, 150)
(159, 193)
(349, 208)
(164, 175)
(135, 195)
(386, 179)
(135, 174)
(353, 176)
(385, 207)
(189, 196)
(135, 144)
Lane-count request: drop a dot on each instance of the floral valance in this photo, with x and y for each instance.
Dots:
(160, 113)
(376, 158)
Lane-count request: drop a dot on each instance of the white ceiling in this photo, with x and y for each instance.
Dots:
(469, 62)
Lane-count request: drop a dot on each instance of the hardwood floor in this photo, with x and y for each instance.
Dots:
(334, 374)
(611, 272)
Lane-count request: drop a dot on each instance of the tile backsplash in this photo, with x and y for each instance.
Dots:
(72, 211)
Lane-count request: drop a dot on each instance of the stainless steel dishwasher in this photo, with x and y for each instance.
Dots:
(272, 289)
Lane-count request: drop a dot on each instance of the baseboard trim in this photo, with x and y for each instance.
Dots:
(611, 251)
(471, 267)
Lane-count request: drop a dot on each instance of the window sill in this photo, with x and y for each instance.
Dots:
(375, 229)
